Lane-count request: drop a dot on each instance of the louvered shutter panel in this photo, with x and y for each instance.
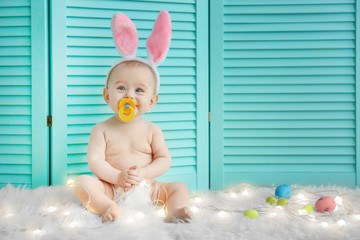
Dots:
(90, 52)
(23, 87)
(284, 108)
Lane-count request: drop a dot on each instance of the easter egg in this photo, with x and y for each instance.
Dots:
(251, 214)
(308, 208)
(325, 204)
(283, 191)
(282, 202)
(271, 200)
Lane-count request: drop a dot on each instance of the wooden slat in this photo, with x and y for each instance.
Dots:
(288, 131)
(289, 159)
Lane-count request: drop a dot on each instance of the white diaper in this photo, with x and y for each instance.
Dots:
(136, 197)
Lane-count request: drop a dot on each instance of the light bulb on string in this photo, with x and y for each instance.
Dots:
(245, 192)
(338, 200)
(66, 213)
(74, 224)
(324, 224)
(9, 214)
(341, 223)
(38, 232)
(194, 209)
(161, 213)
(70, 182)
(233, 195)
(51, 209)
(223, 214)
(8, 211)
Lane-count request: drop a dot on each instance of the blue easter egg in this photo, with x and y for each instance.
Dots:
(283, 191)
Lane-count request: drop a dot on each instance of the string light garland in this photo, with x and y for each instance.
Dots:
(297, 206)
(300, 205)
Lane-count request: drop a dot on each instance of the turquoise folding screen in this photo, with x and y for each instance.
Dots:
(283, 92)
(23, 93)
(279, 77)
(82, 53)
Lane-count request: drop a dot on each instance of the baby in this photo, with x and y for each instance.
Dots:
(123, 154)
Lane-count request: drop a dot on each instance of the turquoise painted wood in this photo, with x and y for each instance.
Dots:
(216, 96)
(357, 97)
(82, 53)
(23, 87)
(58, 100)
(283, 92)
(282, 96)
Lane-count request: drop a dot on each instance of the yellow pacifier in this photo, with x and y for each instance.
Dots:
(126, 109)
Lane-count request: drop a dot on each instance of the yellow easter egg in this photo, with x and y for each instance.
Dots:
(282, 202)
(308, 208)
(271, 200)
(251, 214)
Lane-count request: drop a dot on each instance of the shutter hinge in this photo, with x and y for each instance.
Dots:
(209, 117)
(49, 121)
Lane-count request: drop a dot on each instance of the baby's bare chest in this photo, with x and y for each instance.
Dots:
(120, 142)
(128, 145)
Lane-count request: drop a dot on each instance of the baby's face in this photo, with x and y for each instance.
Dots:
(132, 82)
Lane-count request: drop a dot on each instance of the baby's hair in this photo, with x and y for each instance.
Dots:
(133, 63)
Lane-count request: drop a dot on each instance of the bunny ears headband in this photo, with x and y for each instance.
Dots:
(126, 41)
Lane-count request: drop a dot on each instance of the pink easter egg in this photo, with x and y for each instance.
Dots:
(325, 204)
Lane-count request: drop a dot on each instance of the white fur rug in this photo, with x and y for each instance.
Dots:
(55, 213)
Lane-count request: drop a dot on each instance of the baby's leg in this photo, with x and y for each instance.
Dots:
(101, 195)
(175, 195)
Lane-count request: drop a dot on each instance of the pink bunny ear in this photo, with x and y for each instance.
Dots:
(159, 41)
(125, 35)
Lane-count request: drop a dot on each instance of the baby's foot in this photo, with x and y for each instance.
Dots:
(182, 215)
(112, 214)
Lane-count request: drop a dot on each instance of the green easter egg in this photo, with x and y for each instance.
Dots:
(271, 200)
(251, 214)
(308, 208)
(282, 202)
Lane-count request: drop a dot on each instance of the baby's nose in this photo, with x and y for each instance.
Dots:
(128, 96)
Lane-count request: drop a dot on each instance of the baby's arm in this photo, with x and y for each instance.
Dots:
(161, 156)
(96, 157)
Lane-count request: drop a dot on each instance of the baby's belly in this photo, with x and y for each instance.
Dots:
(126, 161)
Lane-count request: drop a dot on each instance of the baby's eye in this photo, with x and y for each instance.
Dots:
(121, 88)
(139, 90)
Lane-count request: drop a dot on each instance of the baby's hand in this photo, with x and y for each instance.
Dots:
(123, 179)
(135, 176)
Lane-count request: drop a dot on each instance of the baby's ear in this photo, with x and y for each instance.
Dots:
(154, 99)
(106, 95)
